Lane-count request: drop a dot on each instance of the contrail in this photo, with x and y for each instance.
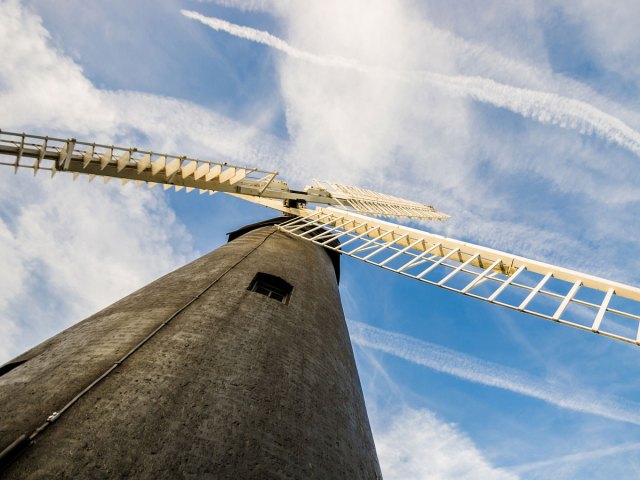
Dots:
(480, 371)
(574, 458)
(265, 38)
(546, 108)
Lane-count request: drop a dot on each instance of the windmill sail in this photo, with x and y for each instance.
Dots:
(547, 291)
(51, 154)
(369, 202)
(130, 164)
(540, 289)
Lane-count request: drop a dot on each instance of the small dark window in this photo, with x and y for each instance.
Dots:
(271, 286)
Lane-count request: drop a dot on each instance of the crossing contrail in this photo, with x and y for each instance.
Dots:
(546, 108)
(578, 457)
(480, 371)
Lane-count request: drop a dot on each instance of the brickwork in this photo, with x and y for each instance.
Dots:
(238, 385)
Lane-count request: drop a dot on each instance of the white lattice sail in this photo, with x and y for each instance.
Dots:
(129, 164)
(547, 291)
(180, 172)
(379, 204)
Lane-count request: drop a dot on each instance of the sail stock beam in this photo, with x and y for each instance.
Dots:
(80, 158)
(540, 289)
(181, 172)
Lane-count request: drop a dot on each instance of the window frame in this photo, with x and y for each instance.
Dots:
(271, 286)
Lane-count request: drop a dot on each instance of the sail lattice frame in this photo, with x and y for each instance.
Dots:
(369, 202)
(546, 291)
(51, 154)
(127, 164)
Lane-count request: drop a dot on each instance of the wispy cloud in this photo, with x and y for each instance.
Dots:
(70, 248)
(414, 444)
(491, 374)
(546, 108)
(417, 445)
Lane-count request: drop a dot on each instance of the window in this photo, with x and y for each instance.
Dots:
(271, 286)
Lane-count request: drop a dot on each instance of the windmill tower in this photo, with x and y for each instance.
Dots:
(239, 363)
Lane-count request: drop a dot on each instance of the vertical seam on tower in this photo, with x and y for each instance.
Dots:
(19, 444)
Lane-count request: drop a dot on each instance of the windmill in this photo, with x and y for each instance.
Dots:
(293, 277)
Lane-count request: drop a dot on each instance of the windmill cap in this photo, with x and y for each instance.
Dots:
(333, 255)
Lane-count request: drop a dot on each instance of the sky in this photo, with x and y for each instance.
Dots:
(521, 120)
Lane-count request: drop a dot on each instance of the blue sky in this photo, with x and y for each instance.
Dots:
(520, 120)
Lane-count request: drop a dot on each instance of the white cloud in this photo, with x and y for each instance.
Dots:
(73, 248)
(544, 107)
(39, 82)
(487, 373)
(63, 100)
(415, 445)
(609, 32)
(12, 279)
(173, 125)
(509, 28)
(481, 59)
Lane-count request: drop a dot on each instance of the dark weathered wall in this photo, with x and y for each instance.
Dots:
(238, 385)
